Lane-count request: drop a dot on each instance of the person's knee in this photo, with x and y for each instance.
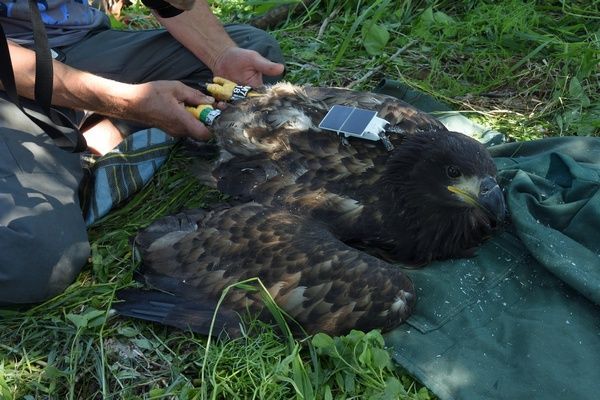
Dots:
(267, 45)
(43, 238)
(252, 38)
(40, 266)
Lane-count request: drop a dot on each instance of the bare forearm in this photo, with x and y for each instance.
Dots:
(159, 103)
(200, 32)
(71, 88)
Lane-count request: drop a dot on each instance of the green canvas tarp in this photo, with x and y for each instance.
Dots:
(521, 319)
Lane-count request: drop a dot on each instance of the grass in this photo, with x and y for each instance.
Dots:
(526, 68)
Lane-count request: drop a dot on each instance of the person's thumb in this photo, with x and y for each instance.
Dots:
(269, 68)
(191, 126)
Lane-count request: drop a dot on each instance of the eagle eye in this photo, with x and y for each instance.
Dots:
(453, 172)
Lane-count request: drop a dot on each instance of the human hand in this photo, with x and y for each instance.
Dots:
(162, 104)
(245, 67)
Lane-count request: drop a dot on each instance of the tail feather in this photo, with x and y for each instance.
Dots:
(167, 309)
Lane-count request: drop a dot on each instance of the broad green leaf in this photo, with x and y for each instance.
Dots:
(442, 18)
(365, 356)
(156, 393)
(436, 18)
(322, 341)
(128, 331)
(355, 336)
(79, 321)
(427, 16)
(51, 372)
(91, 318)
(381, 358)
(393, 389)
(576, 91)
(143, 344)
(375, 337)
(350, 382)
(95, 317)
(375, 37)
(423, 394)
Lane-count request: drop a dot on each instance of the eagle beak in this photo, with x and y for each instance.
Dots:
(484, 194)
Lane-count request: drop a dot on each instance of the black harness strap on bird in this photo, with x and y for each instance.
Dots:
(56, 124)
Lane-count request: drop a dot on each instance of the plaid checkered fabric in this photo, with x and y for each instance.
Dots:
(116, 176)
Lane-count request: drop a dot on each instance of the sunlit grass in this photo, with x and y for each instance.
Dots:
(526, 68)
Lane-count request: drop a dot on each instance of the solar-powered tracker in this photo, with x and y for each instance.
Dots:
(355, 122)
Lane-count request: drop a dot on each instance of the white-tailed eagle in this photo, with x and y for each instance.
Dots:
(320, 220)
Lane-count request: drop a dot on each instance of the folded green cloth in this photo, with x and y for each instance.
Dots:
(116, 176)
(521, 320)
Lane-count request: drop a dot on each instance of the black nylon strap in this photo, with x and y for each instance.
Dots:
(43, 60)
(6, 72)
(162, 8)
(54, 123)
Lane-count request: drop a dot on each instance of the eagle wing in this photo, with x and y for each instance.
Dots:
(302, 196)
(316, 279)
(398, 113)
(273, 151)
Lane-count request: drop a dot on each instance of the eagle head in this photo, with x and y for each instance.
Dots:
(445, 197)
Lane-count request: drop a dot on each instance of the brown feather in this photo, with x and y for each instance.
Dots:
(306, 205)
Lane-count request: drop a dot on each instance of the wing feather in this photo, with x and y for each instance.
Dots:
(318, 280)
(281, 158)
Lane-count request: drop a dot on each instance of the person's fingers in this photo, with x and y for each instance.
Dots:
(192, 96)
(220, 80)
(273, 69)
(193, 128)
(255, 80)
(268, 67)
(200, 132)
(262, 66)
(221, 105)
(184, 122)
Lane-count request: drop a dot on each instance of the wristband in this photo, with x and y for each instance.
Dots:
(162, 8)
